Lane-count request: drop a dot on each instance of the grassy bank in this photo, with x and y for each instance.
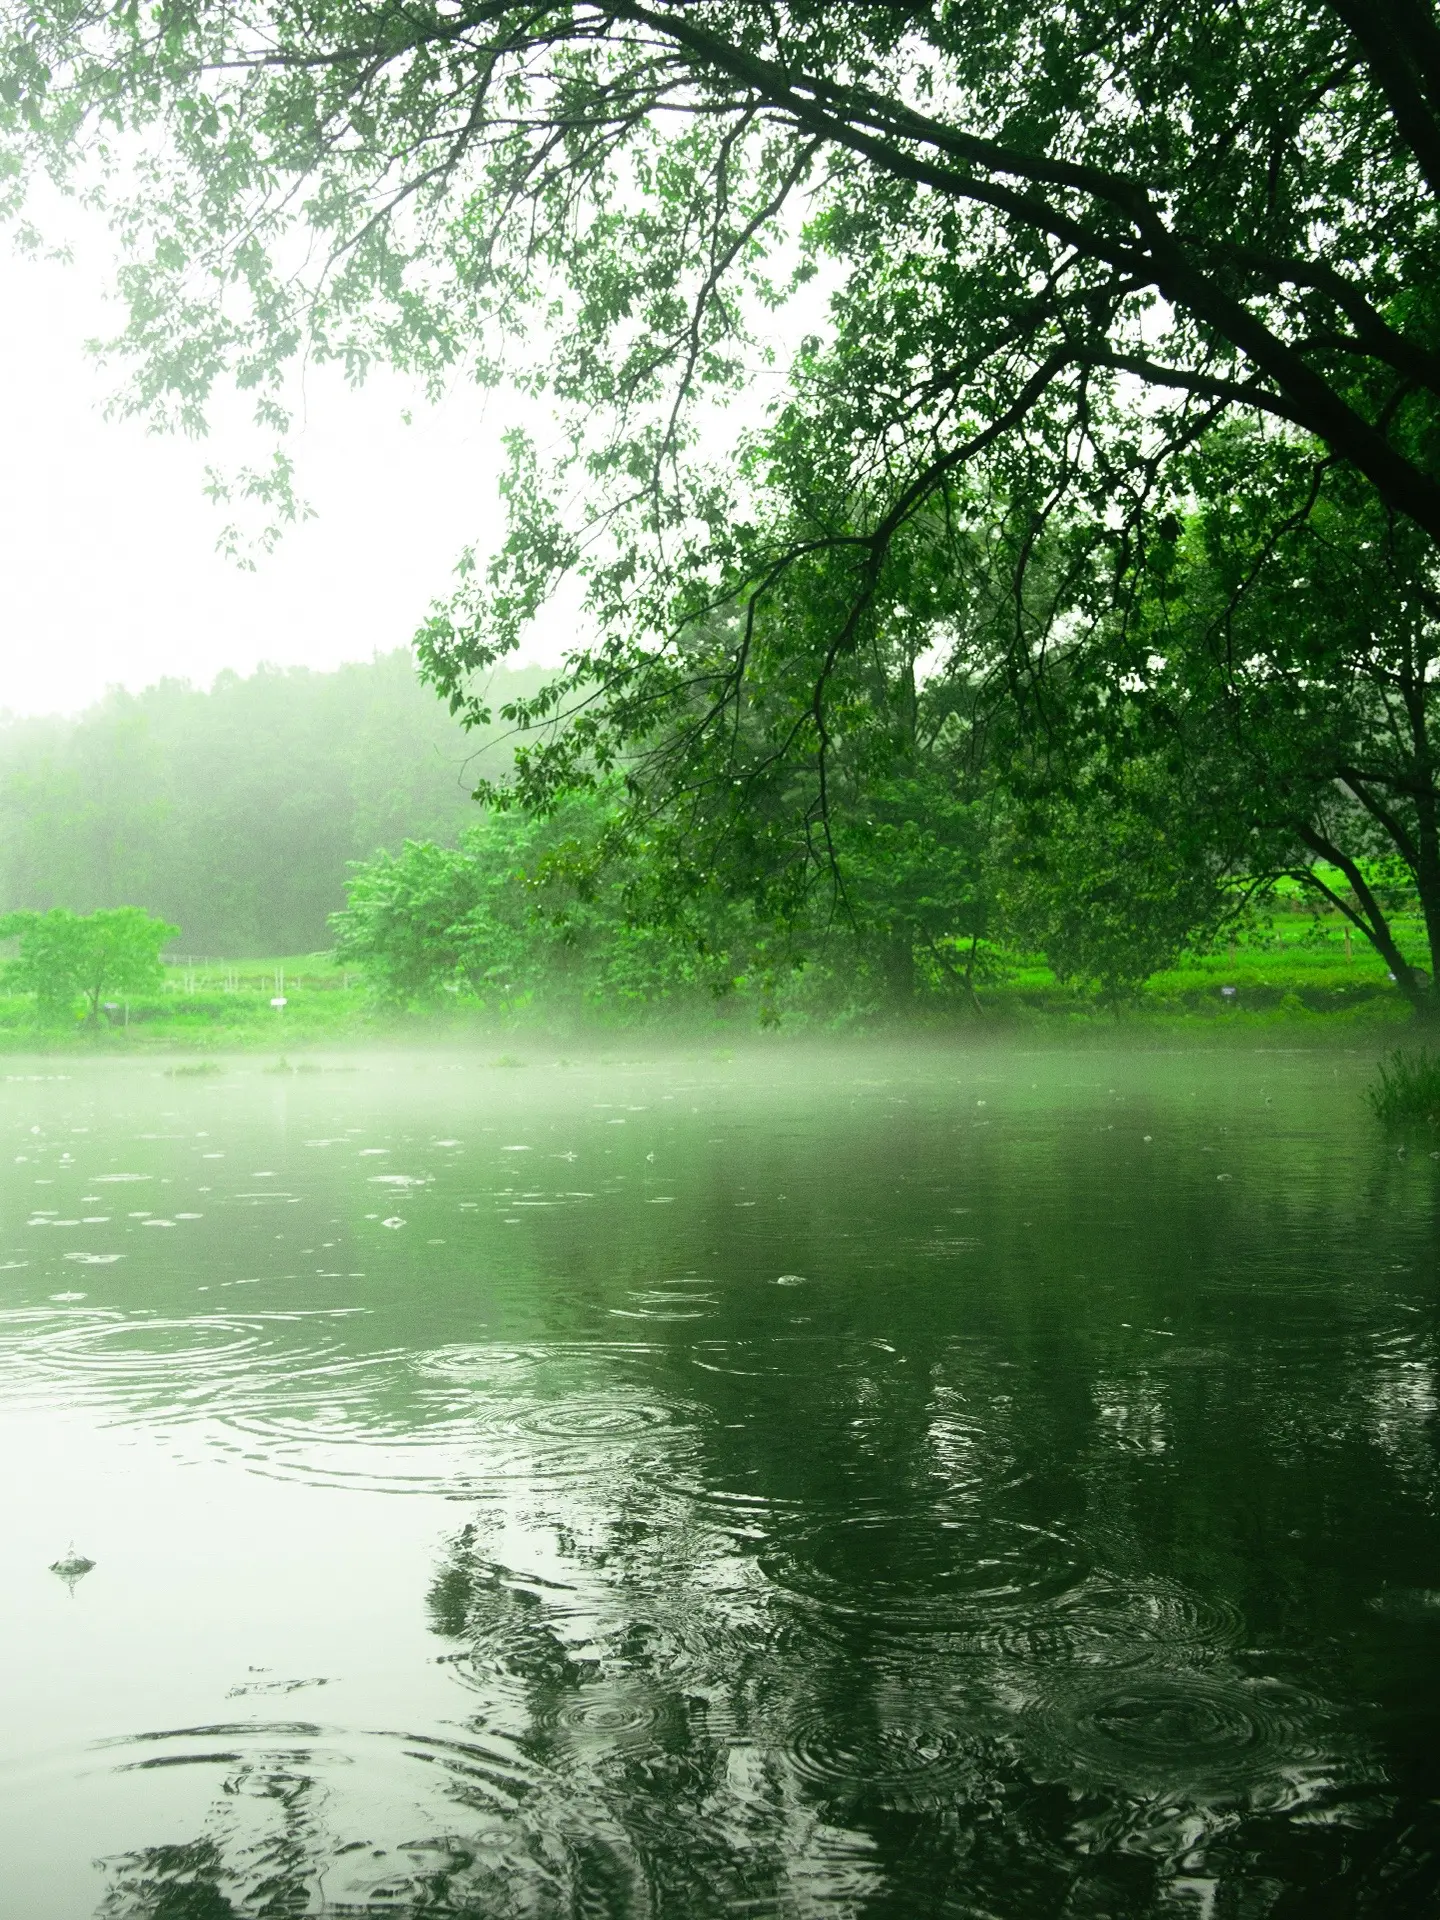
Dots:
(215, 1004)
(1290, 974)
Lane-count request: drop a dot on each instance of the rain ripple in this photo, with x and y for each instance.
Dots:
(1109, 1622)
(130, 1368)
(920, 1570)
(1209, 1732)
(310, 1818)
(420, 1437)
(912, 1763)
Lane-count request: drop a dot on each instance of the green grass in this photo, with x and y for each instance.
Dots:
(1407, 1089)
(1293, 965)
(215, 1005)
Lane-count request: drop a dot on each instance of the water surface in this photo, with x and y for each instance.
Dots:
(862, 1484)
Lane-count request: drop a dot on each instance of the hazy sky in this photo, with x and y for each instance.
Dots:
(107, 542)
(108, 545)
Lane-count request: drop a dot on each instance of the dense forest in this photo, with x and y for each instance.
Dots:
(234, 813)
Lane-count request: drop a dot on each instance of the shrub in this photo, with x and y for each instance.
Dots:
(1408, 1089)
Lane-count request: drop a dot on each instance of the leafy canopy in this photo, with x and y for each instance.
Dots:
(518, 913)
(1273, 653)
(1022, 214)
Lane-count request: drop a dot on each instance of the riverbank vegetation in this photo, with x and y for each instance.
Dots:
(1406, 1092)
(1285, 983)
(564, 922)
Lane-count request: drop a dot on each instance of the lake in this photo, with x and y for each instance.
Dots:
(848, 1482)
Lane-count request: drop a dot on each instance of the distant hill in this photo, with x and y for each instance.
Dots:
(234, 812)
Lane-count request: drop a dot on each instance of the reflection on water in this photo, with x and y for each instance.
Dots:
(948, 1502)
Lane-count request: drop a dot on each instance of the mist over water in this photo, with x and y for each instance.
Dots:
(859, 1482)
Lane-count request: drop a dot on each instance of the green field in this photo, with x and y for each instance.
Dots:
(217, 1003)
(1291, 964)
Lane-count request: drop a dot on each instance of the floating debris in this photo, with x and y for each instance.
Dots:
(73, 1568)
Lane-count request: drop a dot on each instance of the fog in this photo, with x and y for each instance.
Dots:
(235, 814)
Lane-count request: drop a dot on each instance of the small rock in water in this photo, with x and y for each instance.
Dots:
(72, 1568)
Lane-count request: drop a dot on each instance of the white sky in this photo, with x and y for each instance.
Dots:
(108, 544)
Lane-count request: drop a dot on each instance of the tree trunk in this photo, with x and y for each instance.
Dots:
(1370, 918)
(1427, 849)
(897, 967)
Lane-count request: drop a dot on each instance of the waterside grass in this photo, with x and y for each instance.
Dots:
(1406, 1091)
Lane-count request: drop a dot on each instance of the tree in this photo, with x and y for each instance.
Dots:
(524, 909)
(1062, 246)
(1110, 884)
(866, 840)
(64, 956)
(425, 920)
(1273, 658)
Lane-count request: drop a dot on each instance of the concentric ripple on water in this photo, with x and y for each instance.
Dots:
(135, 1367)
(392, 1429)
(307, 1817)
(1107, 1622)
(606, 1720)
(925, 1570)
(917, 1760)
(1209, 1731)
